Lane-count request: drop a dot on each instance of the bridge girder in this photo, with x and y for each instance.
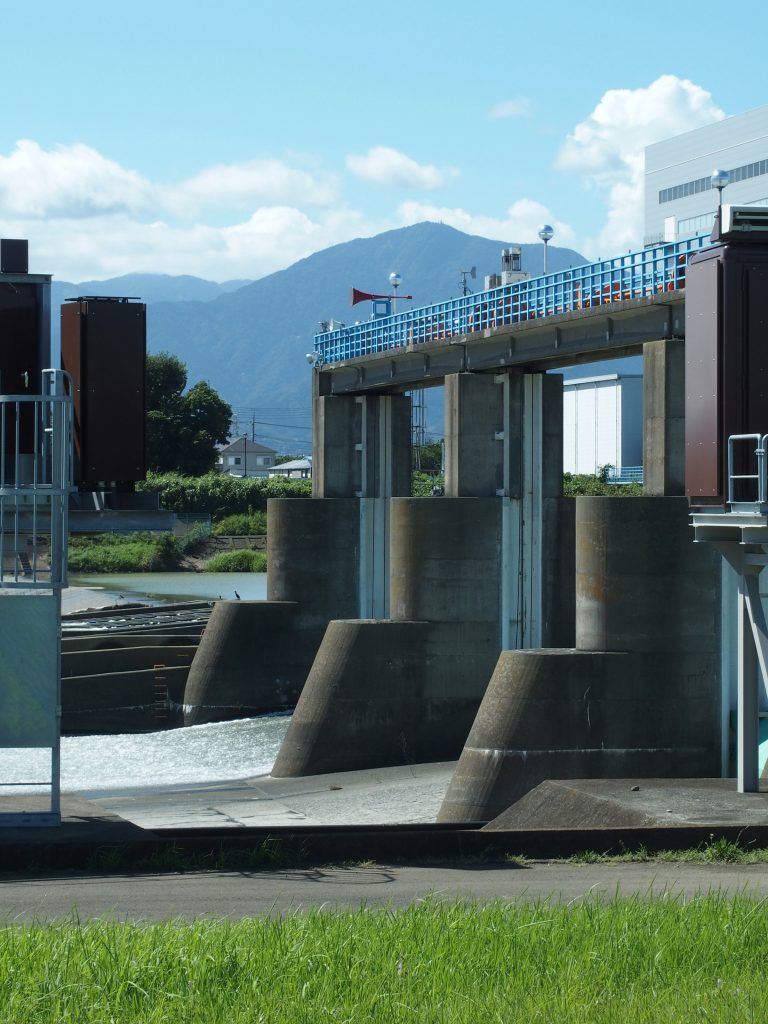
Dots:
(608, 331)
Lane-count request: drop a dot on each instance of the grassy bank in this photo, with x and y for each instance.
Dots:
(124, 552)
(153, 552)
(633, 960)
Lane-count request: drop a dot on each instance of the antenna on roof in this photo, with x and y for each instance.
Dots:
(465, 289)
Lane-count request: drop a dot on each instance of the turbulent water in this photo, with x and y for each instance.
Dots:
(176, 757)
(160, 760)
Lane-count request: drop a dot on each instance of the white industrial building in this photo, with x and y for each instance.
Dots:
(603, 423)
(680, 200)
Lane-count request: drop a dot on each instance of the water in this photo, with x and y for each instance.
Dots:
(176, 757)
(158, 760)
(94, 590)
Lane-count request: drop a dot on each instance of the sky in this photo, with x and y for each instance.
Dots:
(230, 139)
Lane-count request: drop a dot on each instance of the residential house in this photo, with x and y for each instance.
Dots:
(243, 457)
(296, 469)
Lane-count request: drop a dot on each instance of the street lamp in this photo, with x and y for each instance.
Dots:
(720, 179)
(395, 280)
(245, 455)
(546, 231)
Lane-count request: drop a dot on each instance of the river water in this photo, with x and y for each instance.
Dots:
(155, 760)
(93, 591)
(161, 760)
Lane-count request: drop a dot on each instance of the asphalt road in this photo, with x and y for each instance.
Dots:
(236, 895)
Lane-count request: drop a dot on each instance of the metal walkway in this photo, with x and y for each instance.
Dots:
(636, 275)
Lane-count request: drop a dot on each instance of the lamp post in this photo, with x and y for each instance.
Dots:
(720, 179)
(395, 280)
(546, 231)
(245, 455)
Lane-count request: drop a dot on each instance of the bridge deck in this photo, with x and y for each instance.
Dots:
(598, 310)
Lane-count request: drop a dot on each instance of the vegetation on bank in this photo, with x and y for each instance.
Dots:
(124, 552)
(219, 494)
(151, 552)
(237, 561)
(237, 507)
(667, 959)
(243, 524)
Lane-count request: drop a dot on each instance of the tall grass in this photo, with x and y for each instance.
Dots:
(237, 561)
(640, 961)
(123, 552)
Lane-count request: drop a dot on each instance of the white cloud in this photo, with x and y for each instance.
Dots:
(87, 217)
(521, 223)
(72, 180)
(607, 148)
(108, 246)
(521, 106)
(382, 165)
(249, 184)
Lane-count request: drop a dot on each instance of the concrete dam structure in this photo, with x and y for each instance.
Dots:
(529, 635)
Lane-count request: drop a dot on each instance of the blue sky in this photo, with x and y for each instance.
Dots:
(231, 139)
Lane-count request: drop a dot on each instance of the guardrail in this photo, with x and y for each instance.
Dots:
(36, 479)
(639, 274)
(759, 478)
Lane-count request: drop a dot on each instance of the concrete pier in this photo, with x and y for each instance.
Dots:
(364, 703)
(641, 694)
(567, 714)
(488, 564)
(249, 661)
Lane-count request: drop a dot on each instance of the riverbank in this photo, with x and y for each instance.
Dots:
(163, 552)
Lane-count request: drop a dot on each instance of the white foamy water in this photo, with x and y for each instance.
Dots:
(155, 760)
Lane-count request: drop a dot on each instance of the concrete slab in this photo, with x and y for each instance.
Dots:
(629, 803)
(80, 819)
(399, 795)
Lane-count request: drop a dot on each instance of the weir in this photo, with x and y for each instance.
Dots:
(529, 635)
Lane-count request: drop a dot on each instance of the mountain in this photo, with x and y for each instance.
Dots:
(250, 344)
(249, 341)
(147, 287)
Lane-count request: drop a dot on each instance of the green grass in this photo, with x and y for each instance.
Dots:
(715, 851)
(664, 960)
(237, 561)
(123, 552)
(243, 524)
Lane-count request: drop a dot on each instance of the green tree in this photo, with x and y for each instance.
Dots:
(182, 429)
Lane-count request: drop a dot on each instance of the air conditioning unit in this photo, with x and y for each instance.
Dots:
(743, 220)
(513, 276)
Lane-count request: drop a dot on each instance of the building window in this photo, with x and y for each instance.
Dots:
(695, 225)
(692, 188)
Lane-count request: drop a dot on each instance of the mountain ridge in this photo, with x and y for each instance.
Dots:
(249, 340)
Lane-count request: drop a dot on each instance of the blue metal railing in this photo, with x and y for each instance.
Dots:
(635, 275)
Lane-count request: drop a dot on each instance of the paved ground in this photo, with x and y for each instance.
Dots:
(237, 895)
(405, 794)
